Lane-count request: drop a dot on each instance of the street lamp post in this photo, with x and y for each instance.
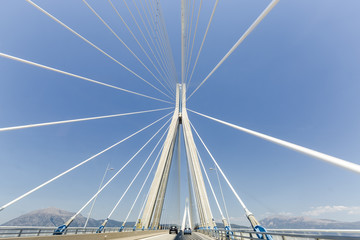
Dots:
(222, 194)
(101, 183)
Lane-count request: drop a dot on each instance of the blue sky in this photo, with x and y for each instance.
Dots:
(296, 77)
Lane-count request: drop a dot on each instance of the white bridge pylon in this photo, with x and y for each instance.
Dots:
(153, 209)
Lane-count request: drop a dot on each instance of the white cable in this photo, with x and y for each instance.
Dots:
(189, 219)
(167, 41)
(186, 35)
(150, 36)
(207, 178)
(117, 173)
(241, 39)
(327, 158)
(189, 35)
(152, 14)
(202, 43)
(140, 45)
(184, 219)
(157, 39)
(160, 39)
(147, 42)
(194, 177)
(93, 203)
(195, 31)
(125, 45)
(135, 178)
(150, 27)
(137, 174)
(183, 31)
(193, 40)
(137, 196)
(223, 198)
(77, 76)
(76, 120)
(93, 45)
(147, 195)
(226, 179)
(78, 165)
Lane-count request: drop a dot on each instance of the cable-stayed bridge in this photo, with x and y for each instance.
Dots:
(147, 51)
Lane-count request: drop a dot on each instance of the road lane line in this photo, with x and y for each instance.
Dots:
(153, 236)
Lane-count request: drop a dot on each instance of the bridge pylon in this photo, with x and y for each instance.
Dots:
(154, 204)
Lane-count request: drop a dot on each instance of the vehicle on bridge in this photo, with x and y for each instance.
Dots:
(187, 231)
(173, 229)
(60, 230)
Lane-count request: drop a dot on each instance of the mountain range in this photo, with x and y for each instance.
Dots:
(286, 222)
(53, 217)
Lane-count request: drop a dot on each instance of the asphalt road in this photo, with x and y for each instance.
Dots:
(180, 236)
(167, 236)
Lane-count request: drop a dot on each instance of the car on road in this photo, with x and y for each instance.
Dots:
(187, 231)
(173, 229)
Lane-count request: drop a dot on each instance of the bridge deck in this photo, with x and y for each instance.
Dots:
(167, 236)
(145, 235)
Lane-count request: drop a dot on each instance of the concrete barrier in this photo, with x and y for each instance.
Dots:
(97, 236)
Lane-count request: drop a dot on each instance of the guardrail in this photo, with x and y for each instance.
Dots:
(285, 234)
(8, 232)
(237, 234)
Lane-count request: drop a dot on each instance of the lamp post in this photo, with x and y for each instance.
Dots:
(101, 183)
(222, 194)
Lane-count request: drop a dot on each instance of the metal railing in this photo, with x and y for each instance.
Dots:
(285, 234)
(22, 231)
(236, 234)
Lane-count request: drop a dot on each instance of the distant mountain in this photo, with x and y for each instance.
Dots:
(54, 217)
(220, 225)
(285, 222)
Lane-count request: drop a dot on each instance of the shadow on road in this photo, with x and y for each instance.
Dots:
(181, 236)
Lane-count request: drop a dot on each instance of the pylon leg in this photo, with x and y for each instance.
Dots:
(153, 207)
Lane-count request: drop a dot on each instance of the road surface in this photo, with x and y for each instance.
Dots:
(167, 236)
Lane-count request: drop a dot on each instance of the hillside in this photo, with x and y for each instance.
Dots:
(51, 217)
(279, 222)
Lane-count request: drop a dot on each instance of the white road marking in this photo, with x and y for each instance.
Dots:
(153, 236)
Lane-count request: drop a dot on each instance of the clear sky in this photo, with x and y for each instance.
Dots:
(296, 77)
